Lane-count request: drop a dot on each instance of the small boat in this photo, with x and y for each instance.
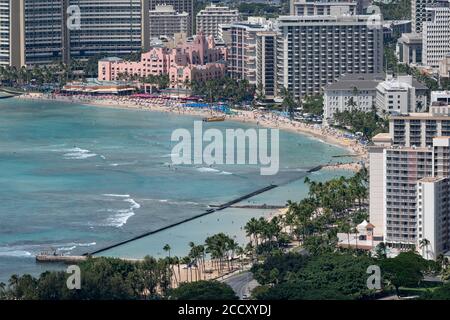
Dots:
(214, 119)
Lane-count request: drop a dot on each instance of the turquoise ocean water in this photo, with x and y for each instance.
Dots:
(76, 178)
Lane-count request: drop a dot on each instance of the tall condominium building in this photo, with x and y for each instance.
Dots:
(165, 21)
(35, 32)
(436, 33)
(179, 6)
(313, 51)
(266, 46)
(209, 19)
(44, 32)
(409, 170)
(31, 32)
(10, 21)
(323, 7)
(5, 32)
(433, 213)
(110, 27)
(418, 129)
(241, 40)
(418, 14)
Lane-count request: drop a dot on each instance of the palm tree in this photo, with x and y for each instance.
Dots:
(213, 90)
(240, 252)
(381, 250)
(260, 94)
(346, 228)
(424, 243)
(187, 261)
(167, 248)
(288, 103)
(176, 260)
(217, 246)
(440, 259)
(196, 254)
(232, 246)
(356, 232)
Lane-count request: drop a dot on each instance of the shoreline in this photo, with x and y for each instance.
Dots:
(261, 119)
(267, 120)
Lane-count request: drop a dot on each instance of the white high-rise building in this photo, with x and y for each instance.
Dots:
(165, 21)
(433, 214)
(418, 14)
(436, 34)
(314, 51)
(209, 19)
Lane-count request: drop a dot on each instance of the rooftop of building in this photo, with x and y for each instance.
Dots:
(167, 9)
(112, 59)
(213, 8)
(443, 92)
(402, 82)
(411, 37)
(247, 25)
(412, 148)
(96, 82)
(420, 115)
(325, 2)
(381, 137)
(431, 179)
(366, 81)
(397, 22)
(437, 4)
(351, 84)
(326, 18)
(361, 81)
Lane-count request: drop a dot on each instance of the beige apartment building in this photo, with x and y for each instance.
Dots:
(179, 6)
(322, 7)
(210, 18)
(165, 21)
(409, 170)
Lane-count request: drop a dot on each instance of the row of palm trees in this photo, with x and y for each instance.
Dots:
(330, 207)
(261, 231)
(53, 74)
(224, 88)
(222, 251)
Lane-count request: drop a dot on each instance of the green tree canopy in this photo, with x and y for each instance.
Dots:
(203, 290)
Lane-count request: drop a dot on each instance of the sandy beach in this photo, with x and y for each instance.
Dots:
(263, 119)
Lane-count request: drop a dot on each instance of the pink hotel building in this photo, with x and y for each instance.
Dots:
(199, 60)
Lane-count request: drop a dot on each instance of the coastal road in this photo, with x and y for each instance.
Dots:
(242, 284)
